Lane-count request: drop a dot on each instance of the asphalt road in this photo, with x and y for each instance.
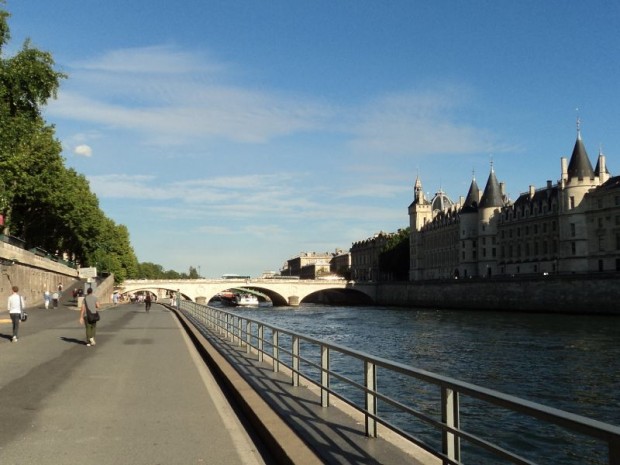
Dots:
(141, 396)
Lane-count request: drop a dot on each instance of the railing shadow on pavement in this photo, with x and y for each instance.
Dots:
(336, 435)
(333, 435)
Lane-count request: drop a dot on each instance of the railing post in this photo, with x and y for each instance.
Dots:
(275, 352)
(260, 342)
(295, 360)
(370, 380)
(240, 331)
(324, 376)
(248, 336)
(451, 444)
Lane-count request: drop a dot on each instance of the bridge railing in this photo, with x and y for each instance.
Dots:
(450, 419)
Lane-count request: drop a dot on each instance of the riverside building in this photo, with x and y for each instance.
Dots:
(365, 257)
(572, 226)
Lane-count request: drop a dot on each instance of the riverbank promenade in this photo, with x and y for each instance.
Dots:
(155, 391)
(141, 396)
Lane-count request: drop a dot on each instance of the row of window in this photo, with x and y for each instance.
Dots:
(543, 228)
(529, 210)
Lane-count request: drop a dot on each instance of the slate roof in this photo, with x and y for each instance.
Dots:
(492, 196)
(611, 183)
(540, 197)
(597, 170)
(471, 202)
(579, 166)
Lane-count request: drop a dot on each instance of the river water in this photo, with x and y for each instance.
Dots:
(570, 362)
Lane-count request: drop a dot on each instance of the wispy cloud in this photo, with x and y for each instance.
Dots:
(239, 197)
(422, 122)
(172, 96)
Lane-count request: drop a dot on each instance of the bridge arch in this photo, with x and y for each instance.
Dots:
(281, 291)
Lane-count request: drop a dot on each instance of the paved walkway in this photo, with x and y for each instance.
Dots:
(140, 396)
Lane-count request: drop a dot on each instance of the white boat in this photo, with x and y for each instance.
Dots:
(245, 300)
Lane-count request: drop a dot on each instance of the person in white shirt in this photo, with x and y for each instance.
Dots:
(47, 296)
(16, 308)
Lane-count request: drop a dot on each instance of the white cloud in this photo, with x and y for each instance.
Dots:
(172, 97)
(83, 150)
(156, 59)
(241, 198)
(419, 123)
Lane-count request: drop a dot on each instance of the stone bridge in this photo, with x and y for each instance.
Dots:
(281, 292)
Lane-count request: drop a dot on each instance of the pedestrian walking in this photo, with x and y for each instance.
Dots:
(47, 297)
(147, 301)
(16, 309)
(55, 299)
(87, 315)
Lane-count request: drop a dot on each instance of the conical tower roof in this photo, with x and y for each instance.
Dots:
(597, 170)
(579, 166)
(492, 196)
(473, 197)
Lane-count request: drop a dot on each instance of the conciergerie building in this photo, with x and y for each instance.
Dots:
(569, 227)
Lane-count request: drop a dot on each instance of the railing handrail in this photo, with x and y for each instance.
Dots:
(574, 422)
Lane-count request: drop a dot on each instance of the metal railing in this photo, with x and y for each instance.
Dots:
(448, 418)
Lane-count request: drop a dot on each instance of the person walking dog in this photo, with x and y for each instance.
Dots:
(89, 316)
(16, 310)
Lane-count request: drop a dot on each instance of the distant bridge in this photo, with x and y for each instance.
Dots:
(282, 292)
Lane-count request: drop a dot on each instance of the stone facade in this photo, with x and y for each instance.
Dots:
(309, 265)
(570, 227)
(340, 264)
(365, 257)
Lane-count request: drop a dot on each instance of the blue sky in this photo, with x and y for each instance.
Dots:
(232, 135)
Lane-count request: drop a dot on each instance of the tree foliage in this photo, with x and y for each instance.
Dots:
(147, 270)
(394, 259)
(42, 201)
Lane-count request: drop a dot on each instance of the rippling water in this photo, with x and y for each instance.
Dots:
(570, 362)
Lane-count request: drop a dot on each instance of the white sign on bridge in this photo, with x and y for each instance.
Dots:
(87, 272)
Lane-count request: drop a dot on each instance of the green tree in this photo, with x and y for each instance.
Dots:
(394, 259)
(148, 270)
(43, 202)
(29, 154)
(110, 250)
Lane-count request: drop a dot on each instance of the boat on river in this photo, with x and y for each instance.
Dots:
(234, 299)
(246, 300)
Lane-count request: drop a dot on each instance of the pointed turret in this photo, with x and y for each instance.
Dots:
(579, 166)
(601, 169)
(492, 196)
(418, 194)
(473, 197)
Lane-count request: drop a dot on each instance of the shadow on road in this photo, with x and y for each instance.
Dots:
(72, 340)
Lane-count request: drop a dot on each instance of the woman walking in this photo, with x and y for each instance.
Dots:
(16, 308)
(89, 308)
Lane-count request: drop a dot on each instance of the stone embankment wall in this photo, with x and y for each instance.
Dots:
(598, 294)
(32, 274)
